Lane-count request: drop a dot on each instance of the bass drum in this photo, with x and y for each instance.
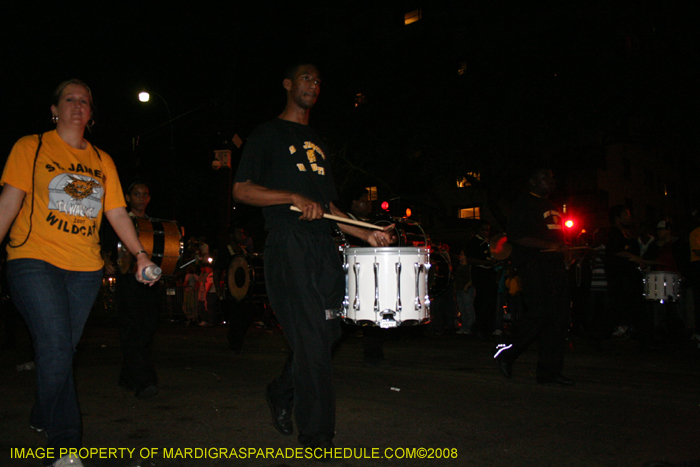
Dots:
(408, 233)
(246, 278)
(162, 241)
(440, 274)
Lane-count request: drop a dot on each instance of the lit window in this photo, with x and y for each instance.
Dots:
(359, 99)
(412, 16)
(470, 213)
(372, 190)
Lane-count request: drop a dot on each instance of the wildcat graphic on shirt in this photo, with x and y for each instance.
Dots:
(76, 195)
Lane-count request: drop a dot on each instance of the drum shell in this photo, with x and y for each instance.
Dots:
(359, 303)
(162, 241)
(246, 277)
(662, 285)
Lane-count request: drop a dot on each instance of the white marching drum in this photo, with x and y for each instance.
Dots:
(387, 287)
(663, 286)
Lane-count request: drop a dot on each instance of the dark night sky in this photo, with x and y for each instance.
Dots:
(537, 79)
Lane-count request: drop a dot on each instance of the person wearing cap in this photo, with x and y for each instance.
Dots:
(666, 251)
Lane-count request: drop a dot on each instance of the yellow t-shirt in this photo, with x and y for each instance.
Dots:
(71, 189)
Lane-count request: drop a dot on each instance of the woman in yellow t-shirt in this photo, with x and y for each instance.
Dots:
(56, 187)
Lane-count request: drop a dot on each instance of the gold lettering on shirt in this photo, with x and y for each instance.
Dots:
(312, 146)
(556, 218)
(311, 151)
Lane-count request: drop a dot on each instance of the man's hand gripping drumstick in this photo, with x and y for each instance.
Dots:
(373, 234)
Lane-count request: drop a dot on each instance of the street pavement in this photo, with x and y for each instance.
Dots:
(438, 401)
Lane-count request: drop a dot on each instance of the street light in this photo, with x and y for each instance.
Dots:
(145, 96)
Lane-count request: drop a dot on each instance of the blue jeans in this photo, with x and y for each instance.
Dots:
(55, 303)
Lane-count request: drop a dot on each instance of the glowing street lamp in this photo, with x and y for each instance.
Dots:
(145, 96)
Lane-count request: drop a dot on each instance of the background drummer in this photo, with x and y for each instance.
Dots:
(671, 255)
(238, 315)
(137, 306)
(484, 279)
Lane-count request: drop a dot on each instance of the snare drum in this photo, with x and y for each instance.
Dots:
(162, 241)
(663, 286)
(387, 287)
(246, 277)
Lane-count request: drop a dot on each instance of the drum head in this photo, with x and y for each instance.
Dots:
(499, 247)
(239, 277)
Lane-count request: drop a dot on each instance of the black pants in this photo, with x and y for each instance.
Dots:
(304, 277)
(240, 315)
(546, 317)
(485, 301)
(625, 289)
(137, 305)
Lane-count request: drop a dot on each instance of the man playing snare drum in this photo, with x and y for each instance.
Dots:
(286, 164)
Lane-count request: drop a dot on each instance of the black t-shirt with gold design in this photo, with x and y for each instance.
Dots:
(533, 217)
(283, 155)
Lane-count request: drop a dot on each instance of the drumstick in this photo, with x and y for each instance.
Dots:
(344, 220)
(187, 263)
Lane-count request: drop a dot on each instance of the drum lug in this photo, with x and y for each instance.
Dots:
(427, 284)
(376, 286)
(398, 287)
(346, 298)
(417, 268)
(356, 269)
